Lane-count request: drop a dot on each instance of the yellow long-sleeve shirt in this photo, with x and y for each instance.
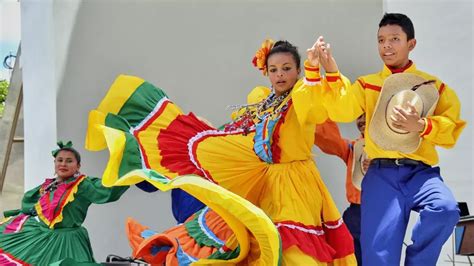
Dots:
(345, 102)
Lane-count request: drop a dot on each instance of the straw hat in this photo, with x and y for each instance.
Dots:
(398, 89)
(359, 156)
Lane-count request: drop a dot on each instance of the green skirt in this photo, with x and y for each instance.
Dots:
(34, 243)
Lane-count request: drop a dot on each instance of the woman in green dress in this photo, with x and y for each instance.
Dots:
(48, 227)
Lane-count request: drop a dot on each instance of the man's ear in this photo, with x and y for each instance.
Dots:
(412, 44)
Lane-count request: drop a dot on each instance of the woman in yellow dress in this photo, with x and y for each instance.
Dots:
(263, 155)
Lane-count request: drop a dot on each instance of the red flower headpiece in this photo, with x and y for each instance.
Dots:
(260, 58)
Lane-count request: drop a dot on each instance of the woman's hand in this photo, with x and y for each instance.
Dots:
(325, 56)
(312, 54)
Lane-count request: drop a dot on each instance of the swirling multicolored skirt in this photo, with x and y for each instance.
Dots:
(147, 134)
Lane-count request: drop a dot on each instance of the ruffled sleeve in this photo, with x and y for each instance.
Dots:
(257, 95)
(344, 102)
(445, 125)
(306, 97)
(30, 198)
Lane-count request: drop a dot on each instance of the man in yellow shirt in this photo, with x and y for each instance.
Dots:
(397, 182)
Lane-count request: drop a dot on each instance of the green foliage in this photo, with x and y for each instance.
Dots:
(3, 94)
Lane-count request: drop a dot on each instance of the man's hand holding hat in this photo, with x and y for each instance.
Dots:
(407, 119)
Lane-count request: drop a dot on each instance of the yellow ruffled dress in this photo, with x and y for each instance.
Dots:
(270, 165)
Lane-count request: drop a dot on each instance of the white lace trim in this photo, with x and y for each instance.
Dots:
(132, 130)
(311, 83)
(200, 135)
(339, 223)
(20, 224)
(9, 260)
(302, 229)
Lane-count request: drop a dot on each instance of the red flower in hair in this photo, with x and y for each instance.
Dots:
(260, 58)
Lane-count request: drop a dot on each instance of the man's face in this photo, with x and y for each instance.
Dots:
(394, 48)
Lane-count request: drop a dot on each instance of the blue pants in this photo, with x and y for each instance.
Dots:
(389, 193)
(351, 218)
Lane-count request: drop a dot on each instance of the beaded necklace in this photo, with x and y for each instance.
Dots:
(51, 187)
(252, 114)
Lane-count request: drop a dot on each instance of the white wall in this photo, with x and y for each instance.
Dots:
(443, 30)
(199, 52)
(39, 100)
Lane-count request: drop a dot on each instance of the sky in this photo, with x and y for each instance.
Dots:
(9, 32)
